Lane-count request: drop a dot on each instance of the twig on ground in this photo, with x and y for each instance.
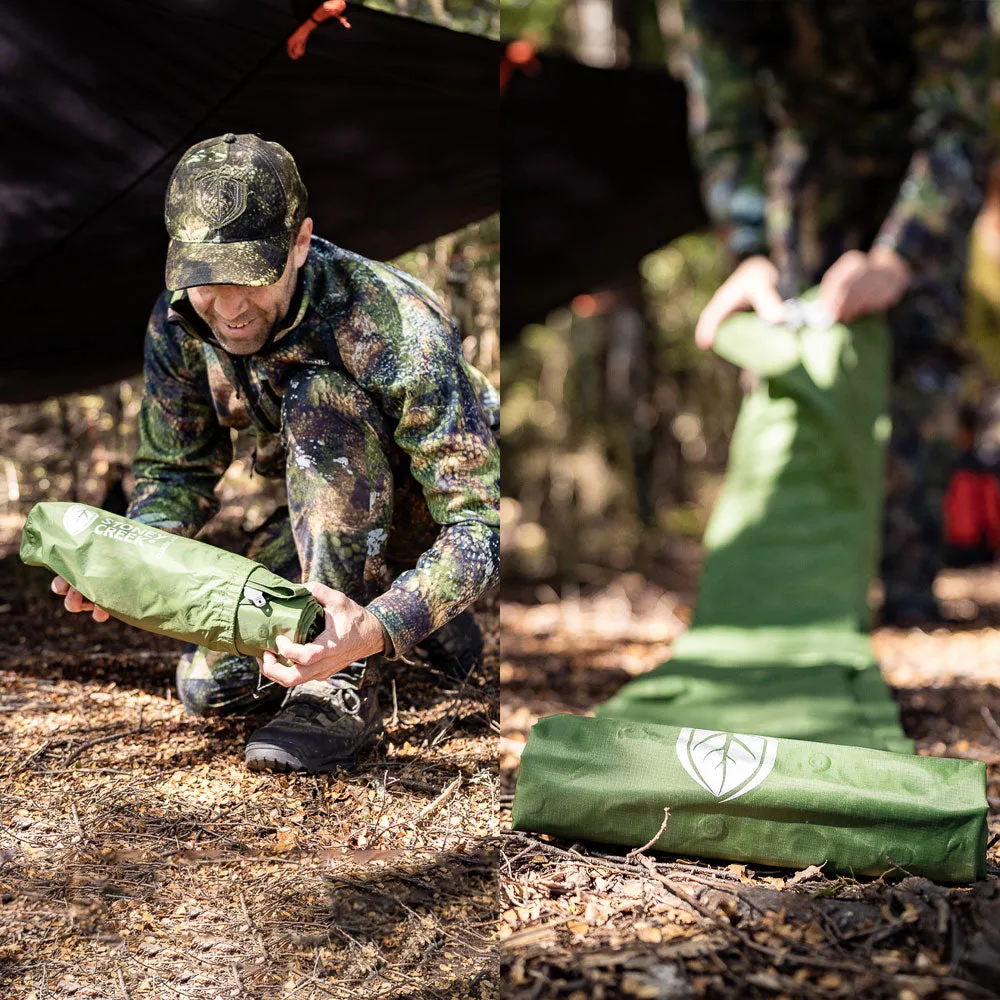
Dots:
(159, 975)
(254, 930)
(76, 821)
(994, 727)
(432, 807)
(394, 721)
(37, 753)
(635, 852)
(597, 859)
(415, 786)
(451, 714)
(100, 739)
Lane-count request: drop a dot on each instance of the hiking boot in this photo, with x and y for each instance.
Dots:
(456, 648)
(322, 725)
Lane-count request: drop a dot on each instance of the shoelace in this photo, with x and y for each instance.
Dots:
(345, 700)
(347, 675)
(339, 692)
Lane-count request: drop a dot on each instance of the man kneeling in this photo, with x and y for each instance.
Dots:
(351, 374)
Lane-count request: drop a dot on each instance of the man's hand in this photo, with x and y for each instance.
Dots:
(351, 633)
(859, 283)
(753, 285)
(75, 601)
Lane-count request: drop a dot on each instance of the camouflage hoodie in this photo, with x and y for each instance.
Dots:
(388, 333)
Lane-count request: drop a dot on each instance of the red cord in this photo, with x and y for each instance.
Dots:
(296, 45)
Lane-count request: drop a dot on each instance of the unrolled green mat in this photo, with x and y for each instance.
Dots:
(777, 649)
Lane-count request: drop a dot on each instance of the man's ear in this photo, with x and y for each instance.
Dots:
(301, 248)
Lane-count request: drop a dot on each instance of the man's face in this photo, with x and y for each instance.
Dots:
(242, 316)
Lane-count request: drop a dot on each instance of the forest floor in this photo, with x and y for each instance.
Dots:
(585, 922)
(140, 858)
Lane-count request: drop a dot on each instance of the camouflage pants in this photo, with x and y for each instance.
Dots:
(827, 195)
(355, 519)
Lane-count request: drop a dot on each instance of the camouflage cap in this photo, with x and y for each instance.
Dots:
(233, 204)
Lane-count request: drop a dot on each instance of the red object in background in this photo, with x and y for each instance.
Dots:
(519, 55)
(972, 511)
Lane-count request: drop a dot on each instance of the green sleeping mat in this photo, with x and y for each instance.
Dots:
(167, 584)
(753, 798)
(777, 647)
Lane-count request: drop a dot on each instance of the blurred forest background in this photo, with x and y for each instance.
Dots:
(615, 427)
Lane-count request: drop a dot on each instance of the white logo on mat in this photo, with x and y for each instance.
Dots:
(78, 518)
(726, 765)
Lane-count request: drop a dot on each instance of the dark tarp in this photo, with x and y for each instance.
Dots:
(596, 174)
(393, 124)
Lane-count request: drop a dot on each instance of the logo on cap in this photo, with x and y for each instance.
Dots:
(220, 197)
(726, 765)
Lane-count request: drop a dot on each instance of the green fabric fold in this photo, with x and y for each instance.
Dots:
(167, 584)
(777, 645)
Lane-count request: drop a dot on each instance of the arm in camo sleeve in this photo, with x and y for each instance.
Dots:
(729, 134)
(408, 356)
(183, 450)
(942, 190)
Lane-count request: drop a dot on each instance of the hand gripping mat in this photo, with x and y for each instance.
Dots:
(777, 646)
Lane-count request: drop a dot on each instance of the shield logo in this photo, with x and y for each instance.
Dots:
(78, 518)
(726, 765)
(220, 197)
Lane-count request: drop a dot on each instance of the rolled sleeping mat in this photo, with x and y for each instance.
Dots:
(754, 799)
(168, 584)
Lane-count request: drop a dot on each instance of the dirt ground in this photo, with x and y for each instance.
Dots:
(139, 857)
(583, 922)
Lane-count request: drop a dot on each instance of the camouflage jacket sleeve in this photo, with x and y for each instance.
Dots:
(942, 190)
(183, 450)
(410, 360)
(729, 136)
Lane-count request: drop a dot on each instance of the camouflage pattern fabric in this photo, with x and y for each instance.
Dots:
(822, 127)
(366, 407)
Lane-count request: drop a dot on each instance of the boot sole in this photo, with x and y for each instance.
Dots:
(273, 758)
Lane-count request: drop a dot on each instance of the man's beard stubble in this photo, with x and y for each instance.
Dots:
(260, 321)
(241, 346)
